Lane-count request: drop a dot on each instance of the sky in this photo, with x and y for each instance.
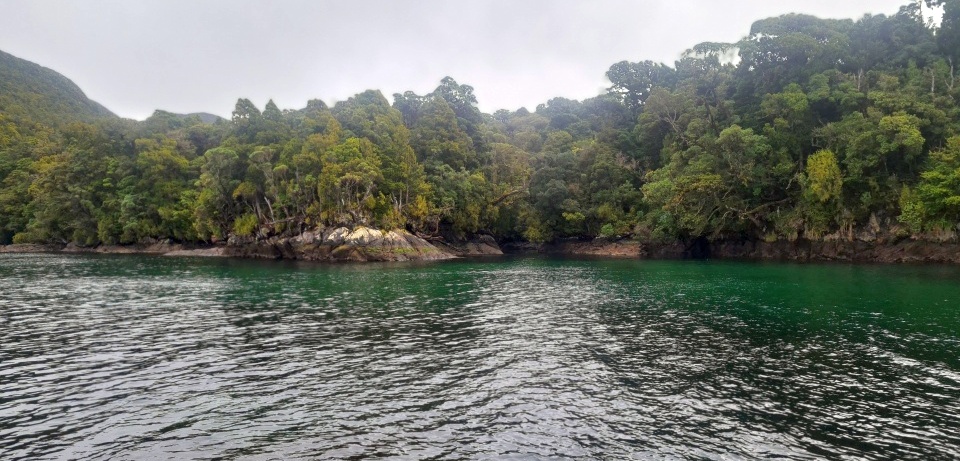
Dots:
(201, 55)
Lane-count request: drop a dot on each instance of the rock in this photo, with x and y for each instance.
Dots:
(522, 247)
(305, 238)
(870, 231)
(885, 250)
(335, 237)
(198, 252)
(349, 253)
(30, 248)
(341, 245)
(597, 247)
(237, 240)
(484, 245)
(365, 244)
(364, 236)
(832, 237)
(479, 245)
(396, 241)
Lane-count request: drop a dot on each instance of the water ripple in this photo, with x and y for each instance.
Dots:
(150, 358)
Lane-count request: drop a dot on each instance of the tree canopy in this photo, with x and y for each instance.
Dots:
(804, 128)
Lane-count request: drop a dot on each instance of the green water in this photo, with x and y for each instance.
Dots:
(130, 357)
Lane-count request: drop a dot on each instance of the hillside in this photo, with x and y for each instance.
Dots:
(31, 91)
(204, 117)
(824, 131)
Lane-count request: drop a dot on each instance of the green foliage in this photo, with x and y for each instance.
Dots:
(461, 199)
(245, 225)
(726, 185)
(818, 127)
(934, 203)
(348, 182)
(634, 81)
(31, 93)
(824, 181)
(438, 139)
(215, 205)
(912, 211)
(822, 192)
(608, 231)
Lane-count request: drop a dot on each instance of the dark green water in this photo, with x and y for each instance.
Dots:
(126, 357)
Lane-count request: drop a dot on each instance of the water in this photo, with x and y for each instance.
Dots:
(129, 357)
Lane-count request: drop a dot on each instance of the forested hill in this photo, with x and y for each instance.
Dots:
(29, 91)
(807, 128)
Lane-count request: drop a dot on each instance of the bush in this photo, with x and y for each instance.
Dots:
(26, 237)
(246, 225)
(608, 231)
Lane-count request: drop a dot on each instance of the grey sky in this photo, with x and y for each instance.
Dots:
(190, 56)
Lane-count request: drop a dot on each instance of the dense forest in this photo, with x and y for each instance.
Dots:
(805, 128)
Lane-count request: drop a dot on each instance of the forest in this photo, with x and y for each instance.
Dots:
(804, 129)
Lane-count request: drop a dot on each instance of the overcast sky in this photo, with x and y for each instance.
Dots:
(201, 55)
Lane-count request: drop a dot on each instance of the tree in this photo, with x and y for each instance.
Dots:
(150, 195)
(935, 201)
(348, 182)
(461, 100)
(215, 207)
(822, 192)
(272, 113)
(409, 104)
(633, 82)
(438, 139)
(729, 185)
(247, 120)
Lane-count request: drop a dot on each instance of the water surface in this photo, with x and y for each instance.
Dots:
(133, 357)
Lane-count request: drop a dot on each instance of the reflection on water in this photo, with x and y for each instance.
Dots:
(146, 358)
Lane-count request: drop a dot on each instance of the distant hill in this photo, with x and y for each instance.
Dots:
(162, 121)
(31, 91)
(204, 117)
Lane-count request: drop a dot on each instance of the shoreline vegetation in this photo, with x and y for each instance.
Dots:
(809, 139)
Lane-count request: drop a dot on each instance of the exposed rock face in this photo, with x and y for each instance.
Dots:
(599, 247)
(148, 247)
(881, 240)
(905, 251)
(480, 245)
(29, 248)
(340, 244)
(871, 244)
(197, 252)
(866, 249)
(336, 236)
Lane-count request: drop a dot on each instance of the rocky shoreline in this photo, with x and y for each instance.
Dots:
(340, 244)
(902, 251)
(363, 244)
